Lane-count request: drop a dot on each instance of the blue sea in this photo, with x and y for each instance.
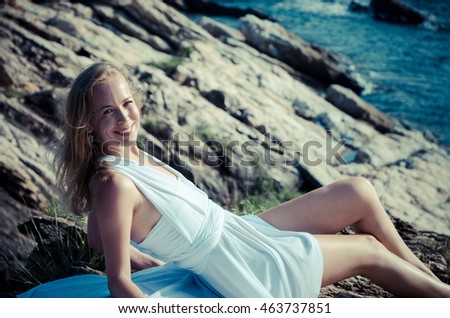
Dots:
(405, 68)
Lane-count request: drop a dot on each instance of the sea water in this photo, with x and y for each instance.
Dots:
(405, 68)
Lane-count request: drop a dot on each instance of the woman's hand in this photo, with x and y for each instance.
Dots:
(141, 260)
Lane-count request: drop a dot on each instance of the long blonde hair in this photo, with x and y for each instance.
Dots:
(76, 157)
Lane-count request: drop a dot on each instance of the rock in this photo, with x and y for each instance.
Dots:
(62, 77)
(180, 5)
(27, 178)
(219, 30)
(40, 54)
(118, 19)
(228, 103)
(395, 11)
(19, 185)
(48, 102)
(15, 112)
(283, 105)
(412, 189)
(355, 287)
(164, 21)
(276, 41)
(428, 134)
(215, 9)
(15, 71)
(14, 248)
(431, 248)
(51, 230)
(350, 103)
(357, 7)
(60, 244)
(6, 77)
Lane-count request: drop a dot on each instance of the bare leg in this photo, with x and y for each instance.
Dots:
(361, 254)
(327, 210)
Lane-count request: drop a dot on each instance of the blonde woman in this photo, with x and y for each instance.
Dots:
(142, 212)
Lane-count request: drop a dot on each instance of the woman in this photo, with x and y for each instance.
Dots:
(291, 250)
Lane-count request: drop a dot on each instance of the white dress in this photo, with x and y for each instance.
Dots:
(237, 256)
(209, 251)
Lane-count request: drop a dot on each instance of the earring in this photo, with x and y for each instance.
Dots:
(90, 137)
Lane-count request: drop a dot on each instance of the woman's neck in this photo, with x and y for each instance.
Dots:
(131, 152)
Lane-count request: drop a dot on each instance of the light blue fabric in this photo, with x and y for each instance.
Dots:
(161, 281)
(211, 251)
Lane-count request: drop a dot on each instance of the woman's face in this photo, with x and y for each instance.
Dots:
(115, 118)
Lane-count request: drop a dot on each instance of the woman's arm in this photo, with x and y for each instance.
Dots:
(138, 259)
(114, 204)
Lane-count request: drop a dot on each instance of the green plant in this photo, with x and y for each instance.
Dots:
(56, 209)
(255, 204)
(60, 246)
(141, 142)
(266, 194)
(12, 91)
(223, 144)
(205, 133)
(169, 65)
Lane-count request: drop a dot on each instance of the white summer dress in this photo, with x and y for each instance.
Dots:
(209, 251)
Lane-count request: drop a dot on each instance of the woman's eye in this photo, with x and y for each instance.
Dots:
(127, 103)
(106, 112)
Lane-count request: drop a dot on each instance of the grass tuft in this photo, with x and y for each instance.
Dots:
(267, 193)
(60, 246)
(170, 65)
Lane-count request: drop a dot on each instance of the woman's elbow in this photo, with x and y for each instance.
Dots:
(117, 284)
(95, 244)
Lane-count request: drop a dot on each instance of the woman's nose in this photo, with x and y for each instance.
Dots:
(121, 115)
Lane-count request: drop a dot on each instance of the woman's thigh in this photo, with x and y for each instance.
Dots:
(346, 256)
(325, 210)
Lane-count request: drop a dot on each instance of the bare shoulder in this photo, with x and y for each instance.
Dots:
(114, 187)
(114, 183)
(112, 192)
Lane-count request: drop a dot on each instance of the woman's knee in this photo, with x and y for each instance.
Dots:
(371, 244)
(361, 186)
(361, 190)
(349, 255)
(373, 253)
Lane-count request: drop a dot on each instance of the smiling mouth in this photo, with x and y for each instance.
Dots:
(126, 132)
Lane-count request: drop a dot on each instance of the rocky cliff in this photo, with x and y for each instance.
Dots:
(228, 108)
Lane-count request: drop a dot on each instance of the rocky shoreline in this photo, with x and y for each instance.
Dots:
(259, 102)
